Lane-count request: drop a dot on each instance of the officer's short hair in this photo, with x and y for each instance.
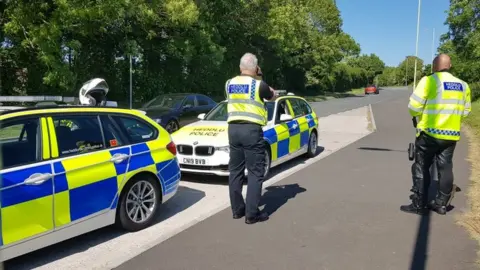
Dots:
(249, 62)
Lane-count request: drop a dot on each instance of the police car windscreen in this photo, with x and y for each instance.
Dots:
(220, 113)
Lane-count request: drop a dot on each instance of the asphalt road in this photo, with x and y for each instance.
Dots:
(340, 213)
(333, 106)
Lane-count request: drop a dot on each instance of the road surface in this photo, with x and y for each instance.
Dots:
(325, 216)
(340, 213)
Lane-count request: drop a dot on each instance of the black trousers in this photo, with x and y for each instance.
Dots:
(427, 149)
(247, 147)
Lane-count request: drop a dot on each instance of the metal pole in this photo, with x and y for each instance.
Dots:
(130, 81)
(433, 49)
(416, 45)
(406, 72)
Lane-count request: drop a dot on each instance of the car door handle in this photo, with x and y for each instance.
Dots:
(118, 158)
(37, 179)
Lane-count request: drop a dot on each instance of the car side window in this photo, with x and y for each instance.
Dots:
(137, 131)
(282, 108)
(204, 101)
(111, 133)
(298, 108)
(78, 134)
(189, 102)
(19, 142)
(306, 109)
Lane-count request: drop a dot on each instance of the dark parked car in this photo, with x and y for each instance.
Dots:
(173, 111)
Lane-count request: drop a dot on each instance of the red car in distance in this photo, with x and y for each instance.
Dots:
(371, 89)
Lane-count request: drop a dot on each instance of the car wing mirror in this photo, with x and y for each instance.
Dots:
(285, 117)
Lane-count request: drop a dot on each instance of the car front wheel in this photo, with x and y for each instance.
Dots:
(312, 145)
(139, 203)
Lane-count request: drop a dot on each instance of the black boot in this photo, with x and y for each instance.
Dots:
(440, 203)
(418, 205)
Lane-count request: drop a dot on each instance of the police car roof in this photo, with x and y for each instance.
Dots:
(24, 109)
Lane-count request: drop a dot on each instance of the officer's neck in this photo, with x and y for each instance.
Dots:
(443, 70)
(247, 74)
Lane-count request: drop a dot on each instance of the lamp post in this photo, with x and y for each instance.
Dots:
(131, 95)
(130, 88)
(406, 71)
(416, 45)
(433, 50)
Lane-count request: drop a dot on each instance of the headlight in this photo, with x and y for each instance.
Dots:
(223, 148)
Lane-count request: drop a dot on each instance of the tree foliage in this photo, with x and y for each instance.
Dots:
(404, 73)
(53, 46)
(462, 42)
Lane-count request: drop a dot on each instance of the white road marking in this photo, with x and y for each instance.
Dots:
(195, 201)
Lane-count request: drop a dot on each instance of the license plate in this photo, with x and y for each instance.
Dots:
(194, 161)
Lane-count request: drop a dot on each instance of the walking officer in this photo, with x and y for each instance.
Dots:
(246, 116)
(440, 101)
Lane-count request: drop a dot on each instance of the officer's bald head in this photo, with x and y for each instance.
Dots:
(248, 64)
(442, 62)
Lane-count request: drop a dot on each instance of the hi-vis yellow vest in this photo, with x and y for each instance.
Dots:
(440, 101)
(244, 102)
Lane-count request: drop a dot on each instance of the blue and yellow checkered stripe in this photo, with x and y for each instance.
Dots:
(288, 138)
(82, 185)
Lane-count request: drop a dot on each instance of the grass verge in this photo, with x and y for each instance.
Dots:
(471, 219)
(332, 95)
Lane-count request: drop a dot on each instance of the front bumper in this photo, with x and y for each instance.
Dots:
(216, 164)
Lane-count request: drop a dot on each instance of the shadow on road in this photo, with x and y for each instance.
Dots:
(185, 198)
(276, 196)
(380, 149)
(420, 250)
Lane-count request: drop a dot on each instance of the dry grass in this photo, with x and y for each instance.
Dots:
(471, 219)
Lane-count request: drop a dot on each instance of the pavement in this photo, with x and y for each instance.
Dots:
(338, 210)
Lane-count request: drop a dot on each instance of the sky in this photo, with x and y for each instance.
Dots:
(388, 28)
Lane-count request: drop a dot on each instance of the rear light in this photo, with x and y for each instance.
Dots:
(172, 148)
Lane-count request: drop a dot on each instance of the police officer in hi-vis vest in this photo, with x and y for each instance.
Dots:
(440, 102)
(246, 117)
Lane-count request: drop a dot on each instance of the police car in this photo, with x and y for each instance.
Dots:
(68, 170)
(291, 131)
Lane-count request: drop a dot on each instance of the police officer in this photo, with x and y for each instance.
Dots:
(439, 101)
(246, 116)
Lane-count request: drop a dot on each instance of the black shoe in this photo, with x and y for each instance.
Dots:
(439, 209)
(414, 209)
(239, 215)
(261, 217)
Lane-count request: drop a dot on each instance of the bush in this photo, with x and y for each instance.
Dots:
(475, 90)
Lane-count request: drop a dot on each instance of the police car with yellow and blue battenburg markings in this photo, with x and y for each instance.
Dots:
(291, 131)
(68, 170)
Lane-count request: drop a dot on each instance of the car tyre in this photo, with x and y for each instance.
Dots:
(172, 126)
(312, 145)
(148, 191)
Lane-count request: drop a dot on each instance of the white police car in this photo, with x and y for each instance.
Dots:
(291, 131)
